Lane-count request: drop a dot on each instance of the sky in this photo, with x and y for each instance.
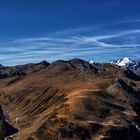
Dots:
(98, 30)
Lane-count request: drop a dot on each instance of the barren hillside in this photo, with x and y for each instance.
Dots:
(68, 100)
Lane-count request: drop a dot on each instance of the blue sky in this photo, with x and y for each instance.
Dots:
(99, 30)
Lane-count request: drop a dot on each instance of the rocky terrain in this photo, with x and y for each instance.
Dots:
(70, 100)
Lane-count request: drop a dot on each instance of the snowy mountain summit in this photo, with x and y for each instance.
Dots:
(123, 62)
(133, 65)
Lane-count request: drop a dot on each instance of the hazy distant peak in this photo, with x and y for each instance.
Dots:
(133, 65)
(123, 62)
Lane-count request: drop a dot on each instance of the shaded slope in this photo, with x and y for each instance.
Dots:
(6, 129)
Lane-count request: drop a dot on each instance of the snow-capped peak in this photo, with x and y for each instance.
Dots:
(91, 62)
(123, 62)
(133, 65)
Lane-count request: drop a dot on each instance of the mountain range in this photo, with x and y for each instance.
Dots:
(133, 65)
(69, 100)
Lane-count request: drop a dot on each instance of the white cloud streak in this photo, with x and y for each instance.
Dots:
(51, 48)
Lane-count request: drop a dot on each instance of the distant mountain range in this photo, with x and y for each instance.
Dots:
(127, 63)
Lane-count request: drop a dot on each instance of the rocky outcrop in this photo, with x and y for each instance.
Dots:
(6, 129)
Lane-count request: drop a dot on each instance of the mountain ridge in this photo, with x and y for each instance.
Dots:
(72, 100)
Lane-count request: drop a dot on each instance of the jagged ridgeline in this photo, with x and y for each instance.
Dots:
(69, 100)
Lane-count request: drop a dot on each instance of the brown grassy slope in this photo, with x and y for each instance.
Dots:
(73, 100)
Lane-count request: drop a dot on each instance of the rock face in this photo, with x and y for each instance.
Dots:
(1, 124)
(6, 129)
(73, 99)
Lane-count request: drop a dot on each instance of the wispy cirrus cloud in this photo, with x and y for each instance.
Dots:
(96, 47)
